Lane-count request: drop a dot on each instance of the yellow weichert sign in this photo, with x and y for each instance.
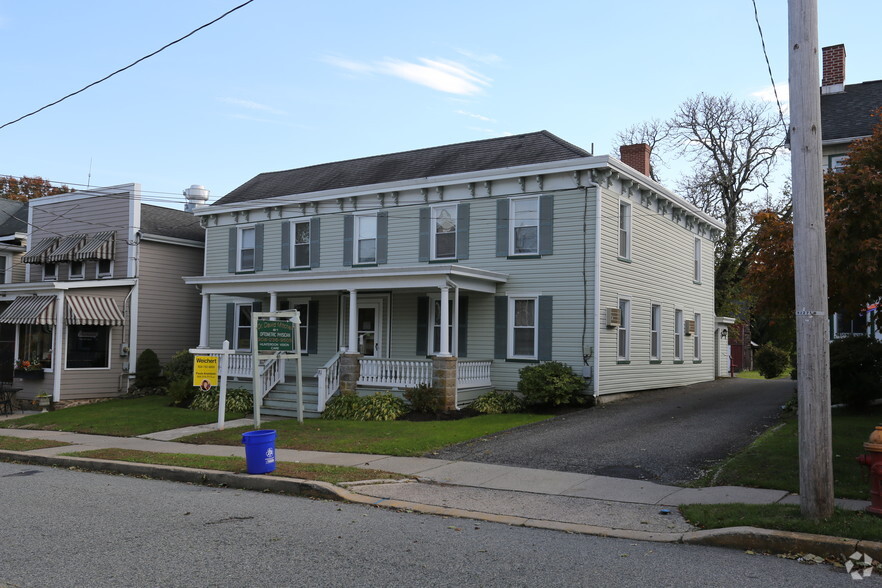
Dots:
(205, 371)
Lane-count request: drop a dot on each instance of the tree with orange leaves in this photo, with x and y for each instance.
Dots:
(27, 188)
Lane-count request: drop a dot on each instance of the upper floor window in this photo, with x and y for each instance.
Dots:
(365, 238)
(524, 226)
(696, 269)
(77, 270)
(655, 332)
(444, 231)
(50, 271)
(624, 230)
(300, 244)
(623, 333)
(246, 249)
(834, 163)
(104, 268)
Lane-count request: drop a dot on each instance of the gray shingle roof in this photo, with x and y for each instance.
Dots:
(169, 222)
(848, 114)
(501, 152)
(13, 217)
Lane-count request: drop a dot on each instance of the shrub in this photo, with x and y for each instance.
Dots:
(855, 370)
(494, 402)
(770, 361)
(424, 398)
(179, 367)
(551, 383)
(381, 406)
(238, 400)
(148, 374)
(182, 392)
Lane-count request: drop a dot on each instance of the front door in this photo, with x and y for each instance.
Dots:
(368, 329)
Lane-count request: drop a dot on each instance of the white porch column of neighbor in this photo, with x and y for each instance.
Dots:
(58, 345)
(203, 324)
(445, 322)
(353, 322)
(274, 301)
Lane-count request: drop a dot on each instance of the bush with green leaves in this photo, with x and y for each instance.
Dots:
(181, 392)
(856, 371)
(425, 399)
(381, 406)
(179, 367)
(770, 361)
(148, 374)
(494, 402)
(238, 400)
(551, 383)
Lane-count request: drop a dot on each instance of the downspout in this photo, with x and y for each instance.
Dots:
(58, 346)
(595, 381)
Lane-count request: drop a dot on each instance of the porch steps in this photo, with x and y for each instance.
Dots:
(282, 400)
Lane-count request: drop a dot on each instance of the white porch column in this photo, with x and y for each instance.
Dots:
(445, 322)
(203, 325)
(274, 301)
(353, 322)
(58, 346)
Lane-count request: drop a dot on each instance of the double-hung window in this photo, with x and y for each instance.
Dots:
(243, 326)
(524, 227)
(523, 328)
(678, 335)
(655, 336)
(247, 243)
(624, 230)
(696, 339)
(696, 270)
(300, 244)
(444, 231)
(623, 352)
(365, 238)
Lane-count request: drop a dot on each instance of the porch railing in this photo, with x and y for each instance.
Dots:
(394, 373)
(272, 371)
(328, 381)
(473, 374)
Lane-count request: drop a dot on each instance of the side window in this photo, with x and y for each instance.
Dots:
(623, 352)
(524, 226)
(655, 336)
(624, 230)
(678, 335)
(246, 249)
(696, 270)
(523, 328)
(443, 237)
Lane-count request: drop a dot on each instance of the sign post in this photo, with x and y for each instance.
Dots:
(207, 364)
(272, 338)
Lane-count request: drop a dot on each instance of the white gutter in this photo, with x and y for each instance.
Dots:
(58, 346)
(595, 381)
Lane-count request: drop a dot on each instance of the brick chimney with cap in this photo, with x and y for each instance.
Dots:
(637, 156)
(833, 61)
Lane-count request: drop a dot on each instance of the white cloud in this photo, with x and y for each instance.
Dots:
(473, 115)
(767, 94)
(248, 104)
(439, 74)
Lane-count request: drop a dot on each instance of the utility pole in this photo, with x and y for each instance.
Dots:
(810, 265)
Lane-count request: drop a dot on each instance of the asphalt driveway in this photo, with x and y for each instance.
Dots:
(667, 436)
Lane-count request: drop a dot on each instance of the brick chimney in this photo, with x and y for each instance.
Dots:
(833, 61)
(637, 156)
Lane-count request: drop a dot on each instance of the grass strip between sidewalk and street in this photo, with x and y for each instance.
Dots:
(285, 469)
(399, 438)
(784, 517)
(19, 444)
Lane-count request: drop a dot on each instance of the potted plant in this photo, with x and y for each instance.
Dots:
(29, 369)
(43, 400)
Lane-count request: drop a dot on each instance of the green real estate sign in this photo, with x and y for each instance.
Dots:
(275, 336)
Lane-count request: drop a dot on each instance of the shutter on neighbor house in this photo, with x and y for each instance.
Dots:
(463, 328)
(500, 327)
(422, 330)
(312, 330)
(425, 221)
(382, 236)
(256, 306)
(233, 248)
(462, 230)
(231, 322)
(286, 245)
(258, 248)
(546, 225)
(545, 327)
(314, 238)
(502, 228)
(348, 226)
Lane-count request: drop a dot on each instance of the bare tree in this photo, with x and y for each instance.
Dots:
(652, 132)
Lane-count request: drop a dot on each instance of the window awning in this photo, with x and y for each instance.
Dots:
(38, 252)
(30, 310)
(91, 310)
(99, 246)
(67, 248)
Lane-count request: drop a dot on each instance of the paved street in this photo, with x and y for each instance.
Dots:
(666, 436)
(66, 528)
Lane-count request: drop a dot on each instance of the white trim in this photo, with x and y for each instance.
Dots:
(239, 230)
(172, 240)
(133, 229)
(292, 253)
(430, 344)
(511, 225)
(58, 359)
(598, 231)
(510, 327)
(109, 274)
(356, 231)
(433, 242)
(6, 277)
(624, 327)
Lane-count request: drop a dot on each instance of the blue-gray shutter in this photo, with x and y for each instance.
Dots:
(546, 225)
(233, 250)
(229, 335)
(500, 327)
(463, 328)
(502, 228)
(348, 227)
(286, 245)
(545, 327)
(258, 248)
(256, 306)
(422, 330)
(382, 236)
(312, 327)
(425, 221)
(462, 230)
(314, 238)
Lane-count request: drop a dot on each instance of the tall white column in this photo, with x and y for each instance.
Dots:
(353, 322)
(274, 301)
(58, 345)
(445, 322)
(203, 325)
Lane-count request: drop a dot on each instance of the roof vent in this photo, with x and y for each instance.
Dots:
(196, 195)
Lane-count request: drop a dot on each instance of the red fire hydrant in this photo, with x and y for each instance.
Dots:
(873, 460)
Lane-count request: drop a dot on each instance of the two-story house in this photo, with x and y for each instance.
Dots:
(98, 282)
(458, 265)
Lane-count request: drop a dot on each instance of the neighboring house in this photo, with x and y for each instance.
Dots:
(461, 264)
(846, 116)
(100, 282)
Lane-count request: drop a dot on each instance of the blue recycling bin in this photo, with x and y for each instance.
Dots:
(260, 451)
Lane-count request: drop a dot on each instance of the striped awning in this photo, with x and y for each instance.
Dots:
(30, 310)
(66, 249)
(38, 252)
(91, 310)
(99, 246)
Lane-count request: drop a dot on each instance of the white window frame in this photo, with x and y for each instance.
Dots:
(514, 223)
(50, 277)
(512, 327)
(6, 274)
(655, 334)
(696, 269)
(678, 334)
(434, 233)
(240, 248)
(104, 275)
(237, 326)
(81, 275)
(623, 331)
(624, 230)
(435, 320)
(357, 238)
(295, 245)
(67, 353)
(696, 339)
(292, 304)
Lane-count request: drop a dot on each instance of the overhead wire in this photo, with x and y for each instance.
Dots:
(769, 66)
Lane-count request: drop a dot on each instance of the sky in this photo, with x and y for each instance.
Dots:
(282, 84)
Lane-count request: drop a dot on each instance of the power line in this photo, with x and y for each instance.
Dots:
(768, 65)
(107, 77)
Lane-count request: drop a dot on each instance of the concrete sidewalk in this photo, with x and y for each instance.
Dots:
(560, 500)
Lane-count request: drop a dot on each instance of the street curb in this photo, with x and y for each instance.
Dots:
(783, 542)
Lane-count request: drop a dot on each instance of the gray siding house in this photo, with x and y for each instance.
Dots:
(99, 282)
(458, 265)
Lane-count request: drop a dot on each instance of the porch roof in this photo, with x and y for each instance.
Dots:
(369, 278)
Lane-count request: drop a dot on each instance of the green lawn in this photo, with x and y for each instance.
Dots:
(122, 417)
(17, 444)
(755, 375)
(404, 438)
